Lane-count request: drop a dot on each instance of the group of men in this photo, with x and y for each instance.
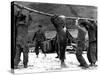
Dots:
(21, 38)
(39, 37)
(91, 27)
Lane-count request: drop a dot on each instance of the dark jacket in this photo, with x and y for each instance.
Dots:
(81, 38)
(92, 35)
(21, 29)
(92, 30)
(39, 36)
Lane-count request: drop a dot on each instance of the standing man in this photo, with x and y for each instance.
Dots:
(39, 37)
(21, 39)
(59, 22)
(80, 47)
(91, 27)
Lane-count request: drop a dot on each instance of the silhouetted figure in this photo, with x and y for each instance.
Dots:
(80, 47)
(92, 33)
(59, 23)
(21, 39)
(39, 37)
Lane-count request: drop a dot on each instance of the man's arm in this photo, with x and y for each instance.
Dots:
(34, 36)
(29, 19)
(70, 36)
(44, 36)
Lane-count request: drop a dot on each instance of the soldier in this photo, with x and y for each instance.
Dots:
(80, 47)
(91, 27)
(69, 38)
(39, 37)
(59, 23)
(21, 39)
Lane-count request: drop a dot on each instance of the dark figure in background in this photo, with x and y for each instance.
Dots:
(80, 47)
(59, 23)
(39, 37)
(21, 39)
(92, 33)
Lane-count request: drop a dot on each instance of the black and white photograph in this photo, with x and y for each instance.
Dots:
(50, 37)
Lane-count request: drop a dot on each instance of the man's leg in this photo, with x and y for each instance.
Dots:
(80, 58)
(43, 48)
(25, 56)
(96, 54)
(62, 55)
(56, 49)
(92, 54)
(17, 56)
(37, 49)
(88, 54)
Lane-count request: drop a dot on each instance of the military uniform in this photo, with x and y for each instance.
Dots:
(80, 48)
(39, 37)
(92, 33)
(21, 40)
(92, 51)
(61, 38)
(68, 37)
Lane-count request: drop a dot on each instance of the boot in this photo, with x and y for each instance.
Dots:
(93, 65)
(15, 67)
(85, 66)
(63, 65)
(25, 66)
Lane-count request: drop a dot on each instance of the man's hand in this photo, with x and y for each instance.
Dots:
(73, 44)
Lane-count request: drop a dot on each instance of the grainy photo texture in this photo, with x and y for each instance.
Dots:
(49, 37)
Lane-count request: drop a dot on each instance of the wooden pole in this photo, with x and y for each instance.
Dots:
(47, 14)
(32, 10)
